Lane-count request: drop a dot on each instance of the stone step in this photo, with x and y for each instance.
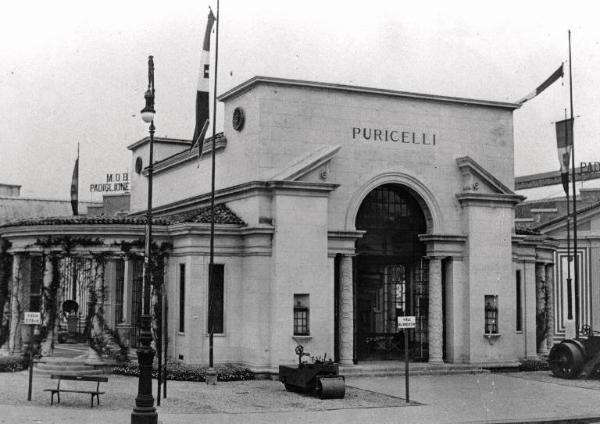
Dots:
(414, 369)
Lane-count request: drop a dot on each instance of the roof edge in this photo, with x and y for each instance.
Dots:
(249, 84)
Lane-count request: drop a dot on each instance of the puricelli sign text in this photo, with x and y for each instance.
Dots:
(393, 136)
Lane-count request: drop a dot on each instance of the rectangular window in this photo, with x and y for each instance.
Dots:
(216, 299)
(37, 276)
(181, 298)
(491, 314)
(519, 306)
(301, 315)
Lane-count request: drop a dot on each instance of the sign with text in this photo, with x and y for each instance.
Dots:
(114, 183)
(32, 318)
(405, 136)
(407, 322)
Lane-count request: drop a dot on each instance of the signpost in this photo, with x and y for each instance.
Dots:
(31, 318)
(404, 324)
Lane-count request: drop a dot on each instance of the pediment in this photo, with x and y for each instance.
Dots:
(313, 167)
(476, 179)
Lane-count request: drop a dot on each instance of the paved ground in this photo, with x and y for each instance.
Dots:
(457, 398)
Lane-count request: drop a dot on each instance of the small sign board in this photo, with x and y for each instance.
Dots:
(407, 322)
(32, 318)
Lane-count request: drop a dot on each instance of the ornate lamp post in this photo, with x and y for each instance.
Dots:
(144, 411)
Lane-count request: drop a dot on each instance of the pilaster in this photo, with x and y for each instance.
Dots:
(435, 321)
(347, 311)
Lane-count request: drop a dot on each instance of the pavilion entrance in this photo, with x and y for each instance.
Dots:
(391, 275)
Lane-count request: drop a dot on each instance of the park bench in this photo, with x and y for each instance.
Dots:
(92, 393)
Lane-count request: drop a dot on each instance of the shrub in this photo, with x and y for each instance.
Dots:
(534, 365)
(179, 371)
(12, 363)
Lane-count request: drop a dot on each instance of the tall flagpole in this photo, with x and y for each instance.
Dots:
(575, 253)
(212, 207)
(569, 280)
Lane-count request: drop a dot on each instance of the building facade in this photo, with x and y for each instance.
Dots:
(341, 209)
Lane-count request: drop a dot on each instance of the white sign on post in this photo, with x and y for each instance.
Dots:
(407, 322)
(32, 318)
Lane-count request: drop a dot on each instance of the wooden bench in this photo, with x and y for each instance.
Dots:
(92, 393)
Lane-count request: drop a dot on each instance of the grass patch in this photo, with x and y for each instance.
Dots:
(179, 371)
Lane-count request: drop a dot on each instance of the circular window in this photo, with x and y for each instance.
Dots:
(138, 164)
(238, 119)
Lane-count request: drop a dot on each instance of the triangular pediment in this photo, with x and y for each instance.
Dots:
(314, 163)
(476, 179)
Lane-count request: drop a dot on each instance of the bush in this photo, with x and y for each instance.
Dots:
(179, 371)
(12, 363)
(534, 365)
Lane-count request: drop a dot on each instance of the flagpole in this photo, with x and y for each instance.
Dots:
(569, 280)
(212, 206)
(575, 255)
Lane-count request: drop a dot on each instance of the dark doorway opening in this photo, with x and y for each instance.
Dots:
(391, 275)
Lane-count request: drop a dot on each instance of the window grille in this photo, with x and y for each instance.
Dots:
(301, 315)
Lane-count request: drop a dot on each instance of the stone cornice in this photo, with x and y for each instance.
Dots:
(488, 199)
(443, 245)
(186, 156)
(242, 191)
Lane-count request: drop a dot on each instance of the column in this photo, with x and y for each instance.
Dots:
(435, 321)
(47, 306)
(16, 297)
(540, 308)
(347, 311)
(550, 304)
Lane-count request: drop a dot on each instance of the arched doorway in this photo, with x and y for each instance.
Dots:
(391, 274)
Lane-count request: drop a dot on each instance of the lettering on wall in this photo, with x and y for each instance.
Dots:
(114, 182)
(393, 136)
(589, 167)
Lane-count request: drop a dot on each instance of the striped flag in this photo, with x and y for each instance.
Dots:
(75, 186)
(200, 141)
(564, 142)
(551, 80)
(202, 99)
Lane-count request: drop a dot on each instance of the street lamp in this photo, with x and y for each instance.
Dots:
(144, 411)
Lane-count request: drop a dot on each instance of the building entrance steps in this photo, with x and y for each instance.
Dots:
(385, 368)
(72, 359)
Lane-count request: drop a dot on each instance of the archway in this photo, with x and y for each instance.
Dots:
(391, 274)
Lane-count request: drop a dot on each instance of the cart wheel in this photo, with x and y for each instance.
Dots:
(566, 360)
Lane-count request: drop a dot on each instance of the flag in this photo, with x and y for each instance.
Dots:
(202, 99)
(551, 79)
(200, 140)
(75, 186)
(564, 142)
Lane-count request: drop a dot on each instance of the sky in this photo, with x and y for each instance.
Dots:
(75, 72)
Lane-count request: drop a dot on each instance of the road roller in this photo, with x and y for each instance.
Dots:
(573, 358)
(320, 378)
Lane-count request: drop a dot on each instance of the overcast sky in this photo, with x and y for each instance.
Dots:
(75, 71)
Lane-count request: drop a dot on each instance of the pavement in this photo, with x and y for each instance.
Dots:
(455, 398)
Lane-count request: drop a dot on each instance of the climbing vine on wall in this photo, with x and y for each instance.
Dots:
(49, 303)
(69, 242)
(542, 321)
(5, 274)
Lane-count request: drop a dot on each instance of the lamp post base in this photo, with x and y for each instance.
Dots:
(144, 411)
(143, 415)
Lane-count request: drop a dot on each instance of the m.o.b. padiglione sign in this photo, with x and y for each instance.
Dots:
(114, 183)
